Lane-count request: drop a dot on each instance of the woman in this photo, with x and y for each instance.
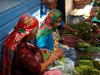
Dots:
(45, 7)
(45, 37)
(20, 57)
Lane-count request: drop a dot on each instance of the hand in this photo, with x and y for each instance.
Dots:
(45, 50)
(59, 52)
(53, 56)
(74, 30)
(69, 28)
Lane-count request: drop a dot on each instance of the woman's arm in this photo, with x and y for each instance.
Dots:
(63, 25)
(54, 56)
(69, 28)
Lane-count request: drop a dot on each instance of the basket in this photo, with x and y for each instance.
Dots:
(70, 40)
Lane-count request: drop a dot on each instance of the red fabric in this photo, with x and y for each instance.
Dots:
(27, 59)
(24, 26)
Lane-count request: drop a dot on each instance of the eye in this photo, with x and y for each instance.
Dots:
(57, 21)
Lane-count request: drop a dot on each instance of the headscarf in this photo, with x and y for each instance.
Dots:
(47, 25)
(24, 26)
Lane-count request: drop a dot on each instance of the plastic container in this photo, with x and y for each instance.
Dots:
(69, 40)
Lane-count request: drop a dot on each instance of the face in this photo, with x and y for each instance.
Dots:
(32, 34)
(52, 5)
(57, 22)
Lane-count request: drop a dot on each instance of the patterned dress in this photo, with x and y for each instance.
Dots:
(27, 59)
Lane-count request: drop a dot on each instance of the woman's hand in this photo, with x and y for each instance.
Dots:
(55, 55)
(59, 52)
(69, 28)
(45, 50)
(74, 30)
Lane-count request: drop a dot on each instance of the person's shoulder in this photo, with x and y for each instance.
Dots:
(62, 23)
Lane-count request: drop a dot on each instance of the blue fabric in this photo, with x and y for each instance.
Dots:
(61, 25)
(43, 10)
(71, 54)
(46, 42)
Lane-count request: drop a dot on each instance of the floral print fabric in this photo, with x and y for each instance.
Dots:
(24, 26)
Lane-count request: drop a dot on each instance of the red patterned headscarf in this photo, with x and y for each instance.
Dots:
(24, 26)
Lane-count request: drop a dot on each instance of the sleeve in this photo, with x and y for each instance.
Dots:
(41, 43)
(28, 63)
(61, 25)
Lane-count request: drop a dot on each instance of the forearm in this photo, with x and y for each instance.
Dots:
(67, 27)
(53, 56)
(45, 65)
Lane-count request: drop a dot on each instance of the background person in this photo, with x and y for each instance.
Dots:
(44, 38)
(47, 5)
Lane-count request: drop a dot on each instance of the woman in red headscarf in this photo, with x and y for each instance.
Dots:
(20, 57)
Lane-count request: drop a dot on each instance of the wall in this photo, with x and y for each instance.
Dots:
(10, 11)
(68, 8)
(61, 7)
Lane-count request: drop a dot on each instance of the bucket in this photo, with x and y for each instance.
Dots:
(69, 40)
